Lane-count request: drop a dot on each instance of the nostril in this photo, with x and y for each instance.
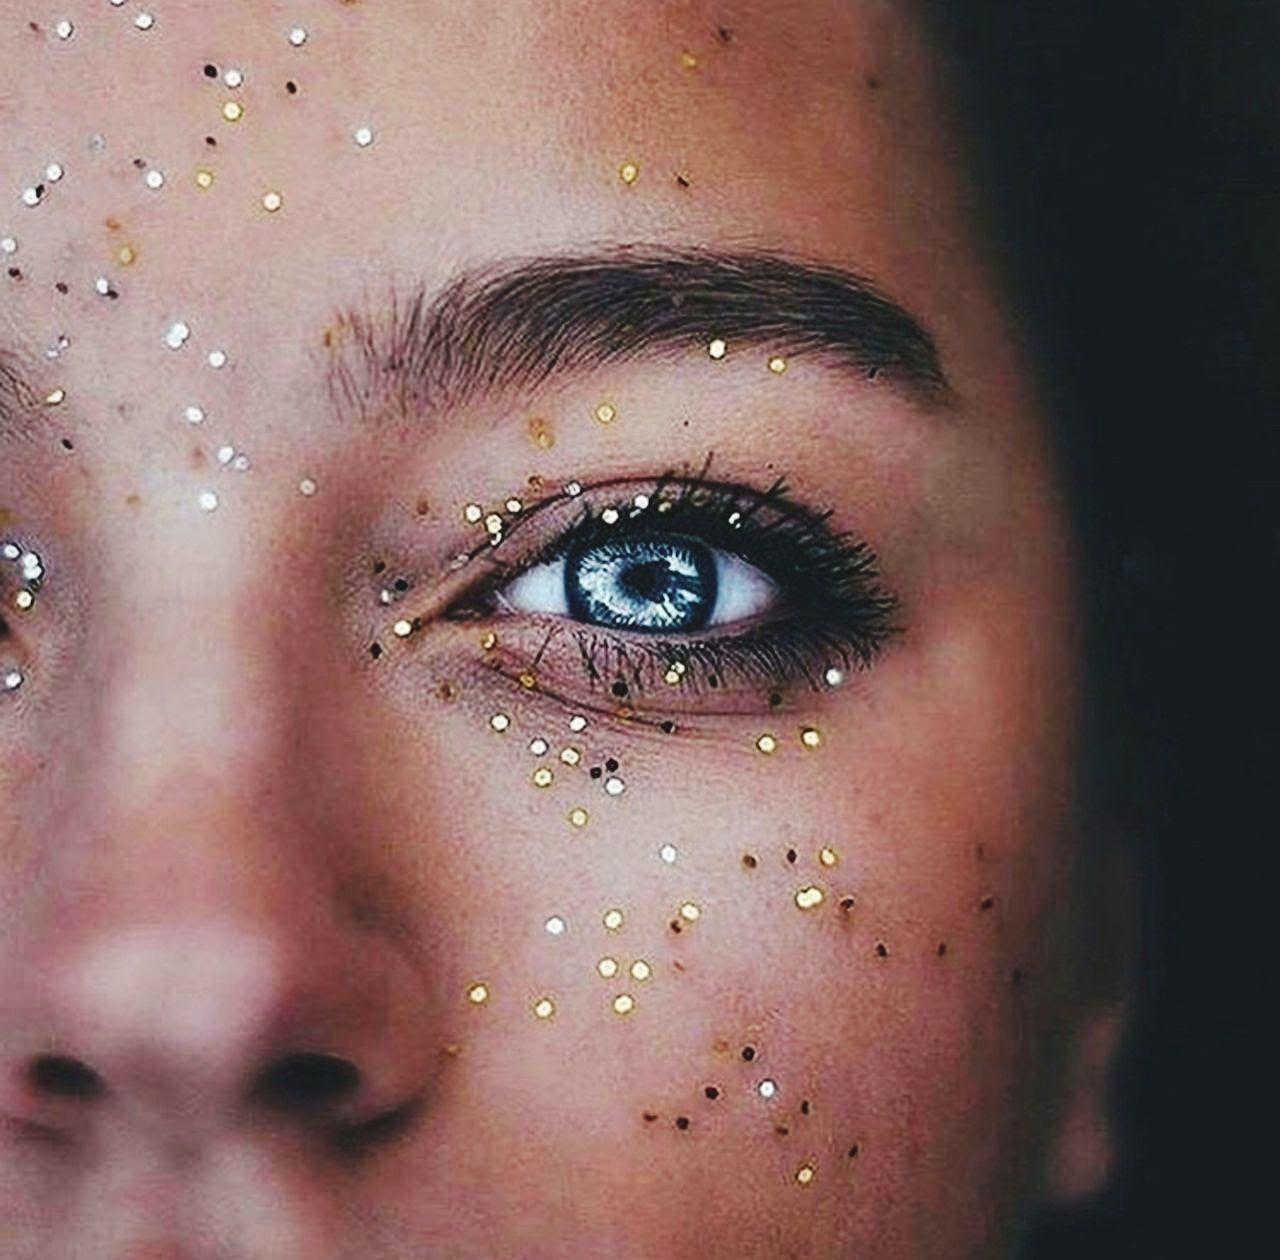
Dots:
(65, 1077)
(306, 1080)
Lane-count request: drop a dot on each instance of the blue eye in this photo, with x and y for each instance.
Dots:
(661, 584)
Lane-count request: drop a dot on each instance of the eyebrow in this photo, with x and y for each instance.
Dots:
(514, 325)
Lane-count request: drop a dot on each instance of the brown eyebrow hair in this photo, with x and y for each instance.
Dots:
(514, 325)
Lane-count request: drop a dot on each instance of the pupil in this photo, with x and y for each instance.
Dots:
(647, 581)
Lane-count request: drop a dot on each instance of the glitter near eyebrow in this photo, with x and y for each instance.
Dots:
(144, 21)
(204, 178)
(570, 756)
(64, 29)
(577, 723)
(154, 179)
(193, 414)
(478, 993)
(232, 111)
(216, 358)
(233, 78)
(403, 629)
(8, 245)
(833, 677)
(688, 60)
(613, 920)
(717, 348)
(690, 912)
(809, 897)
(22, 600)
(55, 397)
(777, 365)
(544, 1008)
(176, 336)
(629, 172)
(12, 679)
(624, 1004)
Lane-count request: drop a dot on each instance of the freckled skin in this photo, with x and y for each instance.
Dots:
(227, 831)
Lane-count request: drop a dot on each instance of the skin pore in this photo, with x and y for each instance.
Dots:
(282, 776)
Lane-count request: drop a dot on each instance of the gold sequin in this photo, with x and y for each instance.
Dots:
(579, 817)
(607, 967)
(488, 640)
(767, 743)
(613, 919)
(640, 970)
(204, 178)
(690, 912)
(478, 994)
(777, 364)
(809, 897)
(717, 349)
(232, 111)
(828, 856)
(628, 172)
(606, 413)
(805, 1174)
(570, 756)
(544, 1008)
(22, 600)
(542, 777)
(688, 60)
(624, 1004)
(811, 737)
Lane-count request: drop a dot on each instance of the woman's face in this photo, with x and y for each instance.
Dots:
(421, 666)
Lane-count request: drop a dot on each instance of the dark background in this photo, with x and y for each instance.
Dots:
(1130, 153)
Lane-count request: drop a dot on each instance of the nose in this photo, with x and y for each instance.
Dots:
(187, 956)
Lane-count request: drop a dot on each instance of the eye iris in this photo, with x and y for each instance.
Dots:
(659, 584)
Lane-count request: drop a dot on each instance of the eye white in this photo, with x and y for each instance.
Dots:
(742, 590)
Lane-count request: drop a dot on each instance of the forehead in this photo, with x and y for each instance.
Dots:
(249, 171)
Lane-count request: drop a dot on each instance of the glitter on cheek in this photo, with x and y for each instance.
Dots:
(272, 201)
(363, 137)
(298, 36)
(767, 743)
(614, 786)
(668, 853)
(828, 856)
(805, 1174)
(542, 777)
(767, 1089)
(555, 925)
(606, 413)
(624, 1004)
(500, 722)
(607, 967)
(176, 336)
(629, 172)
(193, 414)
(544, 1008)
(307, 487)
(578, 817)
(216, 358)
(570, 756)
(811, 737)
(809, 897)
(613, 920)
(478, 994)
(207, 501)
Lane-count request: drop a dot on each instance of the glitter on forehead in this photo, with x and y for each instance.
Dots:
(809, 897)
(64, 29)
(607, 967)
(402, 629)
(8, 245)
(216, 358)
(767, 743)
(53, 172)
(624, 1004)
(144, 21)
(55, 397)
(629, 172)
(204, 178)
(544, 1008)
(207, 500)
(717, 349)
(555, 925)
(233, 78)
(811, 737)
(478, 993)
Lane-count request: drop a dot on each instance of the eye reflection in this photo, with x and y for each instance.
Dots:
(647, 584)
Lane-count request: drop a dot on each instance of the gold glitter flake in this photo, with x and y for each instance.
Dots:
(624, 1004)
(578, 817)
(811, 737)
(810, 897)
(805, 1175)
(488, 641)
(690, 912)
(473, 513)
(767, 743)
(232, 111)
(22, 600)
(544, 1008)
(540, 432)
(570, 756)
(606, 413)
(717, 349)
(55, 397)
(607, 967)
(272, 201)
(204, 178)
(126, 255)
(828, 856)
(478, 994)
(629, 172)
(640, 970)
(688, 60)
(777, 365)
(500, 722)
(542, 777)
(612, 920)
